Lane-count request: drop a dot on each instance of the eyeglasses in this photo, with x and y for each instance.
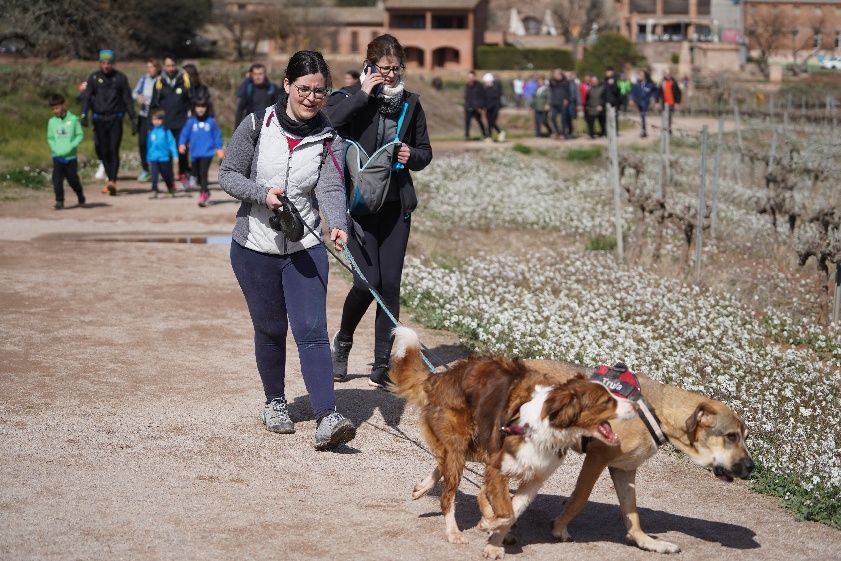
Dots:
(317, 93)
(389, 69)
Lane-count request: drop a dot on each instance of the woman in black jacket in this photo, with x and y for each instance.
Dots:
(368, 114)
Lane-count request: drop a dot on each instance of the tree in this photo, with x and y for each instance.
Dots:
(819, 28)
(609, 50)
(577, 19)
(767, 32)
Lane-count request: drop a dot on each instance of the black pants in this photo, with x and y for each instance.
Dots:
(142, 131)
(556, 115)
(569, 120)
(492, 113)
(70, 172)
(469, 115)
(381, 261)
(108, 130)
(164, 169)
(200, 167)
(183, 159)
(541, 119)
(591, 121)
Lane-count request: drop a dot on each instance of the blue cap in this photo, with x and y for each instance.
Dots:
(106, 54)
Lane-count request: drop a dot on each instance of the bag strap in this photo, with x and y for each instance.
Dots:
(400, 120)
(335, 161)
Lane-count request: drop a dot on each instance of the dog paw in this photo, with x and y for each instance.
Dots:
(493, 552)
(560, 533)
(419, 491)
(457, 537)
(658, 546)
(509, 539)
(494, 524)
(484, 525)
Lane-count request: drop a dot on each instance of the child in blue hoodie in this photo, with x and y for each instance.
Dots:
(160, 151)
(202, 135)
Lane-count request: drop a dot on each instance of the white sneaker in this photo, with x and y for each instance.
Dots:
(501, 136)
(100, 171)
(193, 182)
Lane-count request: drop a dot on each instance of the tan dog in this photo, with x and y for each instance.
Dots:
(705, 429)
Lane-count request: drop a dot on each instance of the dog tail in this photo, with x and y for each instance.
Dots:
(408, 372)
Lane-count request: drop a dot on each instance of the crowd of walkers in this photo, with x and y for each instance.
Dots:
(556, 102)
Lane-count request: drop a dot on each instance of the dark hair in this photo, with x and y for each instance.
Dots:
(303, 63)
(170, 57)
(647, 75)
(353, 74)
(157, 114)
(384, 45)
(193, 72)
(201, 100)
(56, 99)
(256, 66)
(156, 63)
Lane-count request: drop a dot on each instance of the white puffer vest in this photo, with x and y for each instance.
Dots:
(298, 172)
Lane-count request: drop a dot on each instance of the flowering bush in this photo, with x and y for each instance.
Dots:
(579, 307)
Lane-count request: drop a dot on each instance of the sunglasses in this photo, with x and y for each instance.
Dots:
(317, 93)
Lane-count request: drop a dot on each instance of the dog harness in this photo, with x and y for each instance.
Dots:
(623, 383)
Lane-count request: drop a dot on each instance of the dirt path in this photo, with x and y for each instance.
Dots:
(128, 422)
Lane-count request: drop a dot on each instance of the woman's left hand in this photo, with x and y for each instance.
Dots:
(339, 238)
(403, 153)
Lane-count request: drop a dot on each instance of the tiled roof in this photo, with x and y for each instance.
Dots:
(432, 4)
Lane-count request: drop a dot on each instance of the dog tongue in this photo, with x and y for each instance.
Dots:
(607, 431)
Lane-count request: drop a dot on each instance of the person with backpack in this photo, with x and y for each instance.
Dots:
(289, 155)
(203, 137)
(108, 98)
(142, 94)
(161, 150)
(380, 115)
(174, 94)
(255, 93)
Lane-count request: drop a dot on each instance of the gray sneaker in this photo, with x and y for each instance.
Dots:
(332, 430)
(275, 416)
(340, 351)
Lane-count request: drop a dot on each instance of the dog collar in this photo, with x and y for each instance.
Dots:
(623, 383)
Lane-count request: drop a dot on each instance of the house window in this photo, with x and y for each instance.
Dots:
(449, 22)
(838, 39)
(354, 41)
(409, 21)
(816, 41)
(532, 25)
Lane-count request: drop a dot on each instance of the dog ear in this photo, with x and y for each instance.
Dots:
(562, 408)
(704, 416)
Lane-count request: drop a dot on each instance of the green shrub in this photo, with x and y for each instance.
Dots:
(601, 243)
(512, 58)
(587, 154)
(819, 504)
(610, 50)
(521, 148)
(24, 177)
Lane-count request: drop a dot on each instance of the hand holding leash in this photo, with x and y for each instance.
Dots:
(272, 200)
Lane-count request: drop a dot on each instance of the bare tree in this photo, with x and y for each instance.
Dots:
(577, 19)
(767, 33)
(819, 28)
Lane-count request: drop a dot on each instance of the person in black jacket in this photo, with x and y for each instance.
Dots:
(173, 93)
(255, 93)
(559, 102)
(493, 104)
(474, 104)
(379, 243)
(611, 95)
(108, 98)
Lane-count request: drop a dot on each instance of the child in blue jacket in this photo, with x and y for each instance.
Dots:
(202, 135)
(160, 151)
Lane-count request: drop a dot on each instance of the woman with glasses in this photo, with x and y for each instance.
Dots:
(369, 115)
(290, 149)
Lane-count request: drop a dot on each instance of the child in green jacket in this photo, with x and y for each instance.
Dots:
(64, 134)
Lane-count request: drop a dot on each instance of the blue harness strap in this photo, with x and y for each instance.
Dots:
(397, 165)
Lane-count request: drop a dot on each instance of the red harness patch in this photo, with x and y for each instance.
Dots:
(619, 380)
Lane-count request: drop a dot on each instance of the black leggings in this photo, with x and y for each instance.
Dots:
(200, 167)
(492, 114)
(108, 131)
(70, 172)
(381, 261)
(469, 115)
(142, 131)
(183, 159)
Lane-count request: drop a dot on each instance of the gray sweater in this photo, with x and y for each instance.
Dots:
(311, 174)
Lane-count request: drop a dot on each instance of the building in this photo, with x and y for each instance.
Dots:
(666, 20)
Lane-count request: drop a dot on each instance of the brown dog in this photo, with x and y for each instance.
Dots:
(705, 429)
(467, 411)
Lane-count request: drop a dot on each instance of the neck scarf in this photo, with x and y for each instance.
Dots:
(301, 129)
(390, 99)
